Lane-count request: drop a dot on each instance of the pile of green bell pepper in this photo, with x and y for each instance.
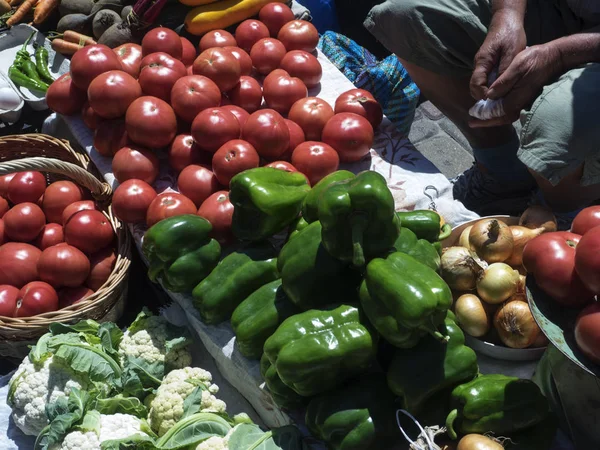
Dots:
(180, 251)
(283, 395)
(310, 206)
(420, 249)
(426, 224)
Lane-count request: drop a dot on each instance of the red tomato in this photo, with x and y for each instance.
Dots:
(197, 183)
(240, 114)
(247, 94)
(110, 136)
(23, 222)
(220, 66)
(132, 199)
(72, 296)
(587, 219)
(190, 69)
(111, 93)
(135, 162)
(311, 113)
(299, 35)
(225, 100)
(296, 138)
(162, 40)
(232, 158)
(217, 38)
(63, 265)
(89, 116)
(89, 231)
(587, 260)
(36, 298)
(361, 102)
(316, 160)
(169, 204)
(64, 97)
(214, 127)
(83, 205)
(303, 65)
(282, 165)
(158, 74)
(275, 15)
(26, 187)
(130, 55)
(3, 207)
(101, 266)
(151, 122)
(8, 300)
(184, 152)
(57, 197)
(188, 54)
(243, 58)
(350, 135)
(249, 32)
(587, 332)
(550, 258)
(4, 182)
(268, 133)
(281, 91)
(192, 94)
(267, 54)
(91, 61)
(52, 234)
(3, 237)
(18, 263)
(218, 210)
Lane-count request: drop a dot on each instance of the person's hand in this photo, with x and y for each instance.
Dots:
(522, 82)
(505, 40)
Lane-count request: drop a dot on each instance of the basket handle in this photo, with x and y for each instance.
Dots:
(100, 190)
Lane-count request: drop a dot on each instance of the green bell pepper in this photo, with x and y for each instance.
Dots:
(297, 226)
(180, 251)
(495, 404)
(358, 416)
(310, 206)
(237, 276)
(315, 351)
(420, 249)
(358, 218)
(257, 317)
(265, 200)
(404, 299)
(426, 224)
(418, 373)
(283, 396)
(312, 278)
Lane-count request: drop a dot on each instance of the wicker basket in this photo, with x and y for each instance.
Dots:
(59, 161)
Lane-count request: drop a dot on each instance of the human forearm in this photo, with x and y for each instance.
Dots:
(578, 49)
(512, 7)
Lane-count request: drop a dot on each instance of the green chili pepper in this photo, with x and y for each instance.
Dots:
(28, 68)
(20, 79)
(41, 64)
(23, 54)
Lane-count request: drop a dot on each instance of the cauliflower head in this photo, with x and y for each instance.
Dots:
(79, 440)
(33, 387)
(214, 443)
(167, 406)
(148, 339)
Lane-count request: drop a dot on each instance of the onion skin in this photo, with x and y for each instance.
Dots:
(515, 324)
(497, 283)
(459, 268)
(538, 216)
(540, 341)
(521, 236)
(478, 442)
(471, 315)
(492, 240)
(463, 241)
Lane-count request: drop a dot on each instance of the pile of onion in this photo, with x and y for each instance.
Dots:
(460, 268)
(472, 315)
(491, 240)
(515, 324)
(521, 236)
(478, 442)
(497, 283)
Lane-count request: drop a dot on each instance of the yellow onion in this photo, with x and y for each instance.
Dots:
(536, 217)
(521, 287)
(459, 268)
(471, 315)
(492, 240)
(521, 236)
(463, 241)
(515, 324)
(478, 442)
(497, 283)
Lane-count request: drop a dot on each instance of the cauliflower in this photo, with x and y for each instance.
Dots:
(79, 440)
(32, 387)
(150, 338)
(167, 407)
(214, 443)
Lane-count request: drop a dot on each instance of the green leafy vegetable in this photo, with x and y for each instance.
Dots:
(140, 377)
(123, 405)
(88, 360)
(251, 437)
(192, 430)
(110, 336)
(193, 402)
(135, 442)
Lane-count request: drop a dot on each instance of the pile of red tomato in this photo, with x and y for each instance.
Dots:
(206, 113)
(56, 247)
(566, 265)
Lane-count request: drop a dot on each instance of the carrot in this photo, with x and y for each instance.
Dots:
(15, 2)
(64, 47)
(78, 38)
(21, 12)
(43, 10)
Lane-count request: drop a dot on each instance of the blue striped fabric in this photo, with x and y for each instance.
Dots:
(387, 79)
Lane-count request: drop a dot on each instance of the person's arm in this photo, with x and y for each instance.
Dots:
(578, 49)
(517, 7)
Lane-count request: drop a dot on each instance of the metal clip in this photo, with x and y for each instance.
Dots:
(415, 445)
(431, 197)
